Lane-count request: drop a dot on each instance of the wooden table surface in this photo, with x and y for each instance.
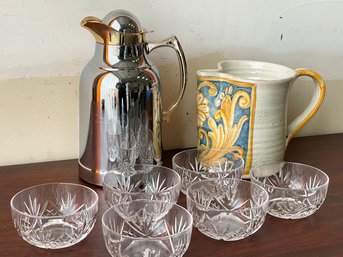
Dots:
(320, 235)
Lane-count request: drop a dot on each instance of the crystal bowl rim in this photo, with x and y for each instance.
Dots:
(178, 183)
(202, 172)
(265, 202)
(96, 200)
(257, 181)
(190, 225)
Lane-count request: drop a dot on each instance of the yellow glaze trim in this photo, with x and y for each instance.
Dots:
(213, 91)
(322, 87)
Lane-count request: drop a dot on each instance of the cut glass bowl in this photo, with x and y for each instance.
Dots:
(142, 182)
(134, 229)
(295, 190)
(55, 215)
(227, 209)
(192, 169)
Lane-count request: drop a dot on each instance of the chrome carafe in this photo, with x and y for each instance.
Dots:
(120, 80)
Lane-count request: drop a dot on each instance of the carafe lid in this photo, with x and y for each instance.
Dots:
(123, 21)
(119, 27)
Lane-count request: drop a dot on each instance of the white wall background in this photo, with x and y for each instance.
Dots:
(43, 50)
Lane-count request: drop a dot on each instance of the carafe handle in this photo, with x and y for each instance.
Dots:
(312, 108)
(174, 43)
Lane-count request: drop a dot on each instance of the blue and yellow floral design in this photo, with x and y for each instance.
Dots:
(225, 119)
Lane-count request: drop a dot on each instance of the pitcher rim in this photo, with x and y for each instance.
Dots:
(223, 72)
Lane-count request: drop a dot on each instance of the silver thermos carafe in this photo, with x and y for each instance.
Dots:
(120, 80)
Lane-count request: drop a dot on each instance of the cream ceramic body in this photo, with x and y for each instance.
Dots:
(242, 107)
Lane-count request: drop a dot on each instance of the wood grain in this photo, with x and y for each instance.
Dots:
(319, 235)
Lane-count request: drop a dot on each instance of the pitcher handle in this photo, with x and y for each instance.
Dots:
(174, 43)
(312, 108)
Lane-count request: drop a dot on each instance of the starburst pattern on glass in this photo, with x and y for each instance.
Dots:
(134, 229)
(144, 182)
(55, 215)
(192, 169)
(295, 190)
(227, 209)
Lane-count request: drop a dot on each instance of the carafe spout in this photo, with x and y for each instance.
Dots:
(105, 34)
(102, 33)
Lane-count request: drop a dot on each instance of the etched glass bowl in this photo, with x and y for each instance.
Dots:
(227, 209)
(192, 169)
(134, 229)
(55, 215)
(295, 190)
(142, 182)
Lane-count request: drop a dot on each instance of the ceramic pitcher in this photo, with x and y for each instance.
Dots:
(242, 107)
